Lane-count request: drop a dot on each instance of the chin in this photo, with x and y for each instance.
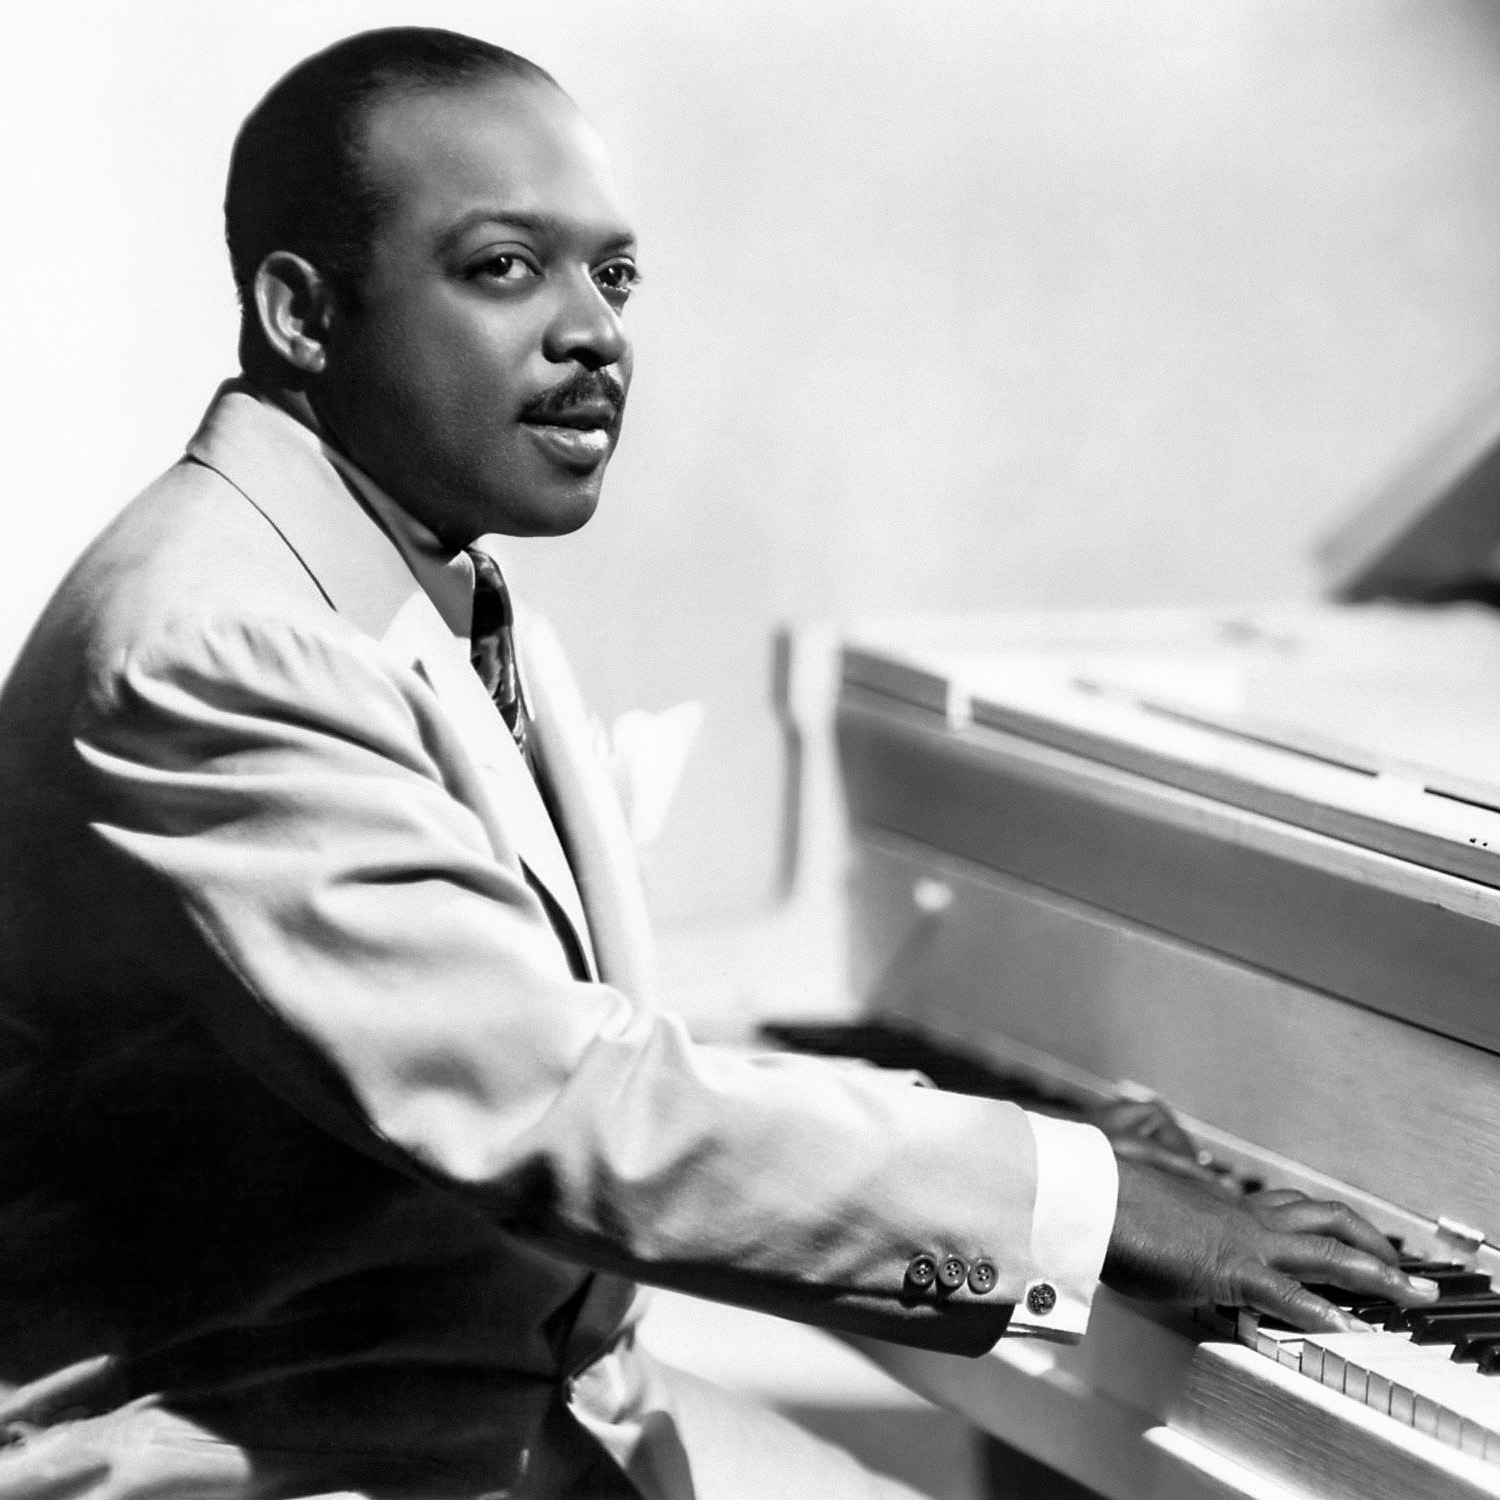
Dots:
(551, 515)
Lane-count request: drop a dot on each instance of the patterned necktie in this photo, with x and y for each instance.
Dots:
(492, 645)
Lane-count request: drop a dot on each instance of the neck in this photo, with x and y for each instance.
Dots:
(295, 404)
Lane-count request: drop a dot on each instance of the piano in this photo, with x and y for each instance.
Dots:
(1247, 860)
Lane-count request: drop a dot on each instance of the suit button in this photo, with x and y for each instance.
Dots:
(1041, 1299)
(952, 1273)
(922, 1272)
(981, 1278)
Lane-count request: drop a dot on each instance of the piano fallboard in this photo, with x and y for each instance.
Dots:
(1393, 1112)
(1385, 933)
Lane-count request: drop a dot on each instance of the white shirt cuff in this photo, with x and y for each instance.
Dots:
(1076, 1186)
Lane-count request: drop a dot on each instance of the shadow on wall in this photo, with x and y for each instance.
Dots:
(1014, 305)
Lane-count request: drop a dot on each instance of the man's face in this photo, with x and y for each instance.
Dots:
(482, 378)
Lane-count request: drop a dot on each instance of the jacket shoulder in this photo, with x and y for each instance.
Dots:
(189, 541)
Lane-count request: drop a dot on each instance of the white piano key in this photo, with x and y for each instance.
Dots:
(1449, 1423)
(1284, 1345)
(1388, 1359)
(1322, 1443)
(1334, 1352)
(1419, 1385)
(1424, 1411)
(1403, 1404)
(1474, 1401)
(1405, 1370)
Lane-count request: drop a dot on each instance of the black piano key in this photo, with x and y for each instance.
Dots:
(1450, 1285)
(1489, 1360)
(1459, 1283)
(1445, 1328)
(1277, 1325)
(1376, 1312)
(1459, 1307)
(1337, 1294)
(1468, 1347)
(1453, 1280)
(1402, 1321)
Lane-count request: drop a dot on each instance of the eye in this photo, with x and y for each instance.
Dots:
(506, 267)
(617, 279)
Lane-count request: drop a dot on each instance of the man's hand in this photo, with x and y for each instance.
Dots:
(1179, 1240)
(1146, 1131)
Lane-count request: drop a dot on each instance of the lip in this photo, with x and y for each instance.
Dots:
(582, 414)
(577, 448)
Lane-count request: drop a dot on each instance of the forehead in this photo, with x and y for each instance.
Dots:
(517, 145)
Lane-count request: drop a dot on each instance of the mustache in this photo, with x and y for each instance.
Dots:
(579, 389)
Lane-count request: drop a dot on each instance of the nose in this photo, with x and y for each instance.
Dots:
(584, 327)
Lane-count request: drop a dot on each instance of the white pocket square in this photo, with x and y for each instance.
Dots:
(645, 755)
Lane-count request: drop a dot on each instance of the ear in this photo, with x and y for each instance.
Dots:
(295, 307)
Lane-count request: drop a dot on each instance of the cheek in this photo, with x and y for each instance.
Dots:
(451, 388)
(442, 346)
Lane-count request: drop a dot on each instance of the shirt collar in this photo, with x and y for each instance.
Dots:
(446, 577)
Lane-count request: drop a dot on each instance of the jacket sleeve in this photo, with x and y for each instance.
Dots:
(369, 953)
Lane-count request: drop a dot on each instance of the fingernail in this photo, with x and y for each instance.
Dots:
(1423, 1285)
(1358, 1325)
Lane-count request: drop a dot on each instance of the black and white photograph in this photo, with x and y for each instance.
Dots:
(750, 752)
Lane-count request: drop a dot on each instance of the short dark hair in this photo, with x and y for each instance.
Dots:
(296, 175)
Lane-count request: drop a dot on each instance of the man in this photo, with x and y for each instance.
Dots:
(335, 1147)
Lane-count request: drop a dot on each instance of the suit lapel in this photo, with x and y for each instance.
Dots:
(359, 571)
(418, 634)
(588, 816)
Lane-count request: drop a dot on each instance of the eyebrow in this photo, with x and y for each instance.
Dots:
(542, 224)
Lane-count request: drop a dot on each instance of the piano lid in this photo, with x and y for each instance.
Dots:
(1378, 725)
(1432, 531)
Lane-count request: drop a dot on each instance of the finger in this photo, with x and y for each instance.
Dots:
(1148, 1153)
(1268, 1292)
(1162, 1127)
(1124, 1117)
(1319, 1258)
(1276, 1197)
(1338, 1221)
(1148, 1119)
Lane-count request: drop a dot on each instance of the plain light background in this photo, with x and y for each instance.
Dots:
(1005, 303)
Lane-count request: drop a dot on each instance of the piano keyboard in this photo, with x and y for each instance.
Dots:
(1432, 1369)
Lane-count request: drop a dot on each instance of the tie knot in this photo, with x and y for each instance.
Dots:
(491, 597)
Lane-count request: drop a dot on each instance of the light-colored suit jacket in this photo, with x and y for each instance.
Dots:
(312, 1126)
